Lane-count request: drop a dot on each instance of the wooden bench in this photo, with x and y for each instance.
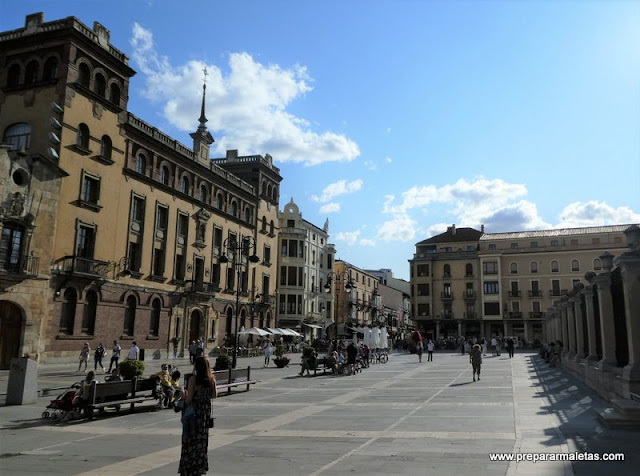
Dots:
(108, 394)
(321, 365)
(227, 379)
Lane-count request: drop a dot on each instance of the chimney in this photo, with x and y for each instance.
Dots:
(453, 229)
(482, 228)
(232, 155)
(34, 20)
(102, 33)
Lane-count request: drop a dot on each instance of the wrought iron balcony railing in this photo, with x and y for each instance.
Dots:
(24, 265)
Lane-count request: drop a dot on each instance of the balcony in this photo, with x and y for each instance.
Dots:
(558, 292)
(514, 315)
(536, 315)
(446, 296)
(19, 265)
(469, 295)
(84, 266)
(515, 293)
(535, 293)
(471, 315)
(447, 315)
(199, 287)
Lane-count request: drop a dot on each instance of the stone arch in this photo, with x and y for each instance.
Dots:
(12, 325)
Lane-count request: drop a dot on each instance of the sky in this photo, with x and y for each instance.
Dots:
(396, 119)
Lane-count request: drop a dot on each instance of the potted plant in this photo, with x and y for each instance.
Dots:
(222, 362)
(131, 368)
(281, 360)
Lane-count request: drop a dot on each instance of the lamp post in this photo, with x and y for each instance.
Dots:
(242, 253)
(340, 277)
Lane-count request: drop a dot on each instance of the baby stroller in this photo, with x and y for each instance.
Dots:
(64, 404)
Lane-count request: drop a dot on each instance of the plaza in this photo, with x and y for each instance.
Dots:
(402, 417)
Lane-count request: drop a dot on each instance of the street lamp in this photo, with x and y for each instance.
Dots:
(340, 277)
(242, 253)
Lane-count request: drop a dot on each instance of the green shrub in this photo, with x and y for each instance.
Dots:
(307, 352)
(131, 368)
(280, 350)
(222, 362)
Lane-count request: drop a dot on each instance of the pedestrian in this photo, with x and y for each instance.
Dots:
(97, 357)
(84, 356)
(115, 355)
(498, 346)
(419, 351)
(192, 351)
(494, 346)
(430, 347)
(175, 341)
(484, 346)
(267, 353)
(352, 353)
(475, 358)
(133, 352)
(196, 418)
(510, 347)
(461, 343)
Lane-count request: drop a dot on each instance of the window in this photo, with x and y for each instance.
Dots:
(204, 196)
(68, 312)
(446, 291)
(51, 69)
(534, 244)
(184, 184)
(574, 242)
(534, 267)
(597, 264)
(263, 229)
(89, 313)
(423, 270)
(84, 75)
(271, 228)
(18, 135)
(284, 247)
(247, 215)
(230, 278)
(135, 257)
(141, 164)
(575, 265)
(491, 287)
(137, 209)
(183, 225)
(490, 267)
(85, 241)
(217, 240)
(514, 245)
(447, 271)
(219, 201)
(293, 248)
(492, 308)
(129, 316)
(215, 274)
(13, 76)
(423, 289)
(31, 73)
(554, 243)
(105, 147)
(100, 85)
(179, 267)
(555, 287)
(514, 268)
(595, 241)
(267, 254)
(114, 93)
(234, 209)
(468, 270)
(158, 263)
(11, 246)
(90, 192)
(555, 267)
(492, 247)
(82, 137)
(164, 175)
(424, 309)
(162, 217)
(154, 323)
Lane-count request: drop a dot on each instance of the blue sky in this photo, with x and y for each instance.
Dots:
(394, 119)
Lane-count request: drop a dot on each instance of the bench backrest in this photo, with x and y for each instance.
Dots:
(98, 390)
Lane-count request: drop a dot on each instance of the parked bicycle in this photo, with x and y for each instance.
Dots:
(378, 356)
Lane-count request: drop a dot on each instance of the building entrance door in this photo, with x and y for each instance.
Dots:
(195, 331)
(10, 331)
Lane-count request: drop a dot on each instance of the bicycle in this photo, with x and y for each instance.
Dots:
(378, 356)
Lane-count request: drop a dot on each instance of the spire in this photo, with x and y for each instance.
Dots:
(203, 118)
(202, 139)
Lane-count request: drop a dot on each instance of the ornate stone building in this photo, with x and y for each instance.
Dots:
(111, 229)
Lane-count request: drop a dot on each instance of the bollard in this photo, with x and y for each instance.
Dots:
(23, 382)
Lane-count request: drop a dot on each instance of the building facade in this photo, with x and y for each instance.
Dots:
(471, 283)
(304, 259)
(126, 223)
(396, 298)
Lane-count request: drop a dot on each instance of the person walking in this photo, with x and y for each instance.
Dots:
(133, 352)
(510, 347)
(484, 346)
(192, 351)
(115, 355)
(352, 353)
(97, 357)
(267, 353)
(419, 350)
(461, 343)
(475, 358)
(84, 356)
(175, 341)
(196, 418)
(430, 347)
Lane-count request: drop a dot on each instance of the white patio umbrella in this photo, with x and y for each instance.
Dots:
(375, 338)
(291, 332)
(384, 342)
(256, 331)
(275, 331)
(367, 337)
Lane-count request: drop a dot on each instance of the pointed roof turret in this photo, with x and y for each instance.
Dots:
(202, 139)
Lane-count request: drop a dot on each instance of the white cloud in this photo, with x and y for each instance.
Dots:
(341, 187)
(595, 213)
(401, 228)
(370, 164)
(246, 108)
(329, 208)
(388, 130)
(388, 160)
(367, 242)
(349, 237)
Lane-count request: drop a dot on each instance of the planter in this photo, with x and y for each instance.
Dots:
(281, 362)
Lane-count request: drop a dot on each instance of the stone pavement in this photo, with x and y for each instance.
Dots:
(396, 418)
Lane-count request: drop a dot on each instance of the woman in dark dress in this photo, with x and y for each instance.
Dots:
(201, 388)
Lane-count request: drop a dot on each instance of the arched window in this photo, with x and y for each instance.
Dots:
(269, 190)
(275, 194)
(555, 267)
(575, 265)
(89, 315)
(51, 68)
(13, 76)
(247, 215)
(534, 266)
(203, 193)
(469, 269)
(68, 314)
(141, 164)
(264, 224)
(154, 323)
(447, 271)
(234, 208)
(18, 135)
(31, 74)
(264, 187)
(597, 264)
(164, 175)
(184, 184)
(130, 316)
(82, 138)
(114, 93)
(219, 201)
(271, 228)
(84, 74)
(105, 147)
(514, 268)
(100, 85)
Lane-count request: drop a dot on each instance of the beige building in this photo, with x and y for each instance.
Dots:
(305, 257)
(471, 283)
(125, 223)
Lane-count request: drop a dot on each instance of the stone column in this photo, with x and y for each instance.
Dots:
(571, 327)
(591, 319)
(577, 315)
(437, 330)
(629, 264)
(607, 328)
(459, 328)
(565, 326)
